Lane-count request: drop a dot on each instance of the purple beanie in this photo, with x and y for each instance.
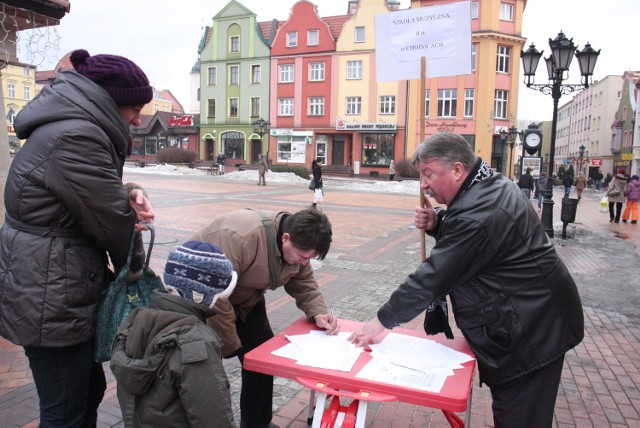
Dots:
(121, 78)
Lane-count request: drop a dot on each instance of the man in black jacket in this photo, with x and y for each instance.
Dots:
(526, 183)
(514, 301)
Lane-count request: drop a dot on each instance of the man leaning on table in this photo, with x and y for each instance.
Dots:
(513, 299)
(241, 321)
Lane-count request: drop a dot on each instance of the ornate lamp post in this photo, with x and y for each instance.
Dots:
(580, 156)
(261, 127)
(562, 51)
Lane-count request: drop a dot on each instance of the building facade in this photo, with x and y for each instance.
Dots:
(234, 84)
(624, 124)
(480, 104)
(18, 87)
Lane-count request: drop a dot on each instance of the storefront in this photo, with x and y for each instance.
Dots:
(163, 130)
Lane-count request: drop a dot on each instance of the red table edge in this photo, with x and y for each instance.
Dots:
(449, 398)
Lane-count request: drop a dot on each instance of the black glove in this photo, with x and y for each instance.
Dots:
(436, 319)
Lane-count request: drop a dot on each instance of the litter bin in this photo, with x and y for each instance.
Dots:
(569, 208)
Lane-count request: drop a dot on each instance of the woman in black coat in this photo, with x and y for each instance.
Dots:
(316, 169)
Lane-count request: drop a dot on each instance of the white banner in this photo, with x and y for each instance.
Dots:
(441, 34)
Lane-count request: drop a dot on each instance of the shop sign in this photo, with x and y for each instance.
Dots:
(342, 125)
(186, 120)
(596, 162)
(445, 126)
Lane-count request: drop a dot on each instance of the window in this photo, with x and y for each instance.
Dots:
(234, 44)
(359, 35)
(427, 102)
(447, 102)
(354, 105)
(26, 72)
(354, 70)
(255, 74)
(26, 91)
(474, 10)
(502, 62)
(469, 95)
(292, 39)
(285, 106)
(313, 37)
(286, 73)
(233, 144)
(387, 104)
(316, 106)
(316, 71)
(506, 12)
(212, 76)
(11, 90)
(500, 107)
(255, 106)
(233, 107)
(211, 107)
(234, 75)
(474, 56)
(377, 149)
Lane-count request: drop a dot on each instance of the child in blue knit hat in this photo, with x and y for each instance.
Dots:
(166, 360)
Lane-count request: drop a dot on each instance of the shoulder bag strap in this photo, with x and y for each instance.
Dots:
(274, 272)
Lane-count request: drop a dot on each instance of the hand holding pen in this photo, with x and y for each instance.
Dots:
(327, 322)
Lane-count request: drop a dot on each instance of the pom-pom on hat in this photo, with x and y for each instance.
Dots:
(121, 78)
(620, 170)
(200, 272)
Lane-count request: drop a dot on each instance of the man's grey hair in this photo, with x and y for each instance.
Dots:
(445, 147)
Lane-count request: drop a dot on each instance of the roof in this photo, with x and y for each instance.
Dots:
(56, 9)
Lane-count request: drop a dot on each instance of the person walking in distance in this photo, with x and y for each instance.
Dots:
(541, 186)
(616, 191)
(392, 170)
(220, 159)
(316, 170)
(506, 300)
(633, 196)
(581, 183)
(567, 182)
(526, 183)
(67, 214)
(262, 170)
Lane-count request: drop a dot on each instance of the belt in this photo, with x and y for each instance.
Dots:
(42, 230)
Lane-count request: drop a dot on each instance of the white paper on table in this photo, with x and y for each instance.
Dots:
(318, 349)
(418, 353)
(379, 371)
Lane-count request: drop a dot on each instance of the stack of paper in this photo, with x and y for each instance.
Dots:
(318, 349)
(412, 362)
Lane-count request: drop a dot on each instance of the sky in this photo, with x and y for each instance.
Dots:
(162, 37)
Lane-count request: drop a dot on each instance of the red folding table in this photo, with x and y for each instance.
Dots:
(455, 395)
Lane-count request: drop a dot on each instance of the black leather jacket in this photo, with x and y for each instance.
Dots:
(513, 298)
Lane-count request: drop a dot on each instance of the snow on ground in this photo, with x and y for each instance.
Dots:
(408, 187)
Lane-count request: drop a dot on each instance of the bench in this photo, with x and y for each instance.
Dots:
(210, 167)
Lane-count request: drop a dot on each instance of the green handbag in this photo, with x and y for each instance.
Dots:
(120, 297)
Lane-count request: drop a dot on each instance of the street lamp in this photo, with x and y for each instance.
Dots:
(580, 156)
(261, 127)
(562, 51)
(512, 134)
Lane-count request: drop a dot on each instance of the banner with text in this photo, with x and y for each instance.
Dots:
(441, 34)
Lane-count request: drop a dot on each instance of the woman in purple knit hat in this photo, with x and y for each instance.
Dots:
(67, 214)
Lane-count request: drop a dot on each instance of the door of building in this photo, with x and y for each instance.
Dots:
(256, 149)
(337, 150)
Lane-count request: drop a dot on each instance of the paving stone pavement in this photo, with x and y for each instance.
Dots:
(375, 246)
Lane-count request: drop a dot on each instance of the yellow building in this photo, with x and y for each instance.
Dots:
(476, 106)
(19, 87)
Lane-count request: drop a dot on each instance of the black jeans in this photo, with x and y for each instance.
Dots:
(70, 384)
(618, 206)
(528, 402)
(256, 395)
